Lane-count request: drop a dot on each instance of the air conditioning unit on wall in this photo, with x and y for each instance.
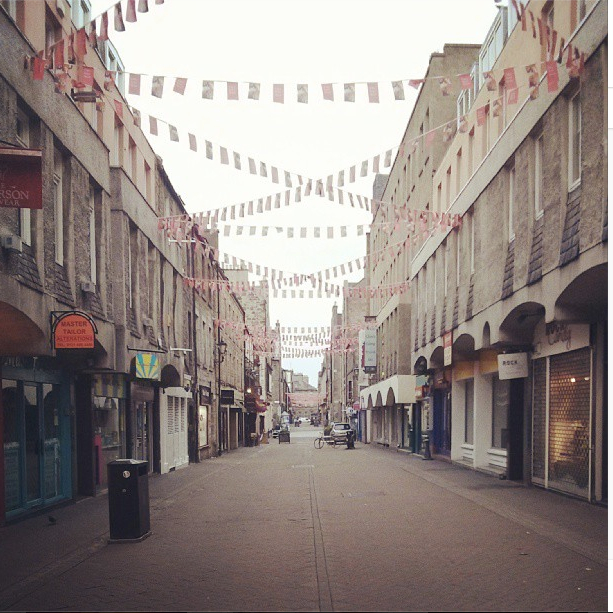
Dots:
(12, 243)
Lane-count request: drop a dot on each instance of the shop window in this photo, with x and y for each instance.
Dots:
(203, 426)
(109, 435)
(469, 411)
(501, 391)
(569, 419)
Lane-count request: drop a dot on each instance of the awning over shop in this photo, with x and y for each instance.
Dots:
(399, 389)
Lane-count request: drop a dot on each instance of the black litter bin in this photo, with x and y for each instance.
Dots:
(128, 500)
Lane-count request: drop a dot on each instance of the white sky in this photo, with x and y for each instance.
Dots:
(290, 42)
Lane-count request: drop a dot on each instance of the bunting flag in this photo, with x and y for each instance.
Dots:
(367, 166)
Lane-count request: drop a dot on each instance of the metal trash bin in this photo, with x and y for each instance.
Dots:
(128, 500)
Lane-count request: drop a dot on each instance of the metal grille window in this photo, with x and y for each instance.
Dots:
(176, 430)
(539, 418)
(569, 419)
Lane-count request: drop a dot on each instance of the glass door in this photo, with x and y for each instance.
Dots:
(33, 447)
(143, 449)
(12, 445)
(52, 437)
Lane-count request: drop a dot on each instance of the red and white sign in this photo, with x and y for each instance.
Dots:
(21, 178)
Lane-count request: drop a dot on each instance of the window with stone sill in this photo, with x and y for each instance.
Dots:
(538, 176)
(81, 12)
(58, 208)
(511, 206)
(574, 141)
(23, 138)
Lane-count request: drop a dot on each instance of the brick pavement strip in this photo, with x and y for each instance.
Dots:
(292, 528)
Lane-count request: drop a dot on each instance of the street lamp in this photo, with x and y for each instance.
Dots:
(222, 347)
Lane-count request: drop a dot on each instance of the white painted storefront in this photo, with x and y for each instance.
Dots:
(173, 428)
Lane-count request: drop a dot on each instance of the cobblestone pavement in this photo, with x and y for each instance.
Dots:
(287, 527)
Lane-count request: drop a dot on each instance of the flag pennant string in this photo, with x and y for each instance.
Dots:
(556, 47)
(325, 186)
(220, 154)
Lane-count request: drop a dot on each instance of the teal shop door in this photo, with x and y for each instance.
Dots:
(35, 455)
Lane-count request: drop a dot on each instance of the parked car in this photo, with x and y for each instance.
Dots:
(339, 431)
(275, 431)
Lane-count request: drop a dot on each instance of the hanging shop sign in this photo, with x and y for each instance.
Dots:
(147, 366)
(447, 344)
(557, 337)
(72, 330)
(21, 178)
(512, 366)
(368, 350)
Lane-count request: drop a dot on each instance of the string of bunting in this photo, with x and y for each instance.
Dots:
(239, 161)
(178, 227)
(208, 89)
(326, 186)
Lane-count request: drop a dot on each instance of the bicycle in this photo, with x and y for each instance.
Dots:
(326, 439)
(319, 442)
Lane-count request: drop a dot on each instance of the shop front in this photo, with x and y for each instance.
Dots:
(141, 430)
(101, 428)
(422, 415)
(174, 431)
(37, 430)
(204, 422)
(387, 421)
(562, 408)
(441, 412)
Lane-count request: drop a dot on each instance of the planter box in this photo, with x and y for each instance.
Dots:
(284, 436)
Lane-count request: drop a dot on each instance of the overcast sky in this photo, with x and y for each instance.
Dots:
(289, 42)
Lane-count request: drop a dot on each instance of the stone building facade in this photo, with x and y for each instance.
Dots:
(394, 414)
(93, 256)
(525, 274)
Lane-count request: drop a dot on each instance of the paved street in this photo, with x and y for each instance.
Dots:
(287, 527)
